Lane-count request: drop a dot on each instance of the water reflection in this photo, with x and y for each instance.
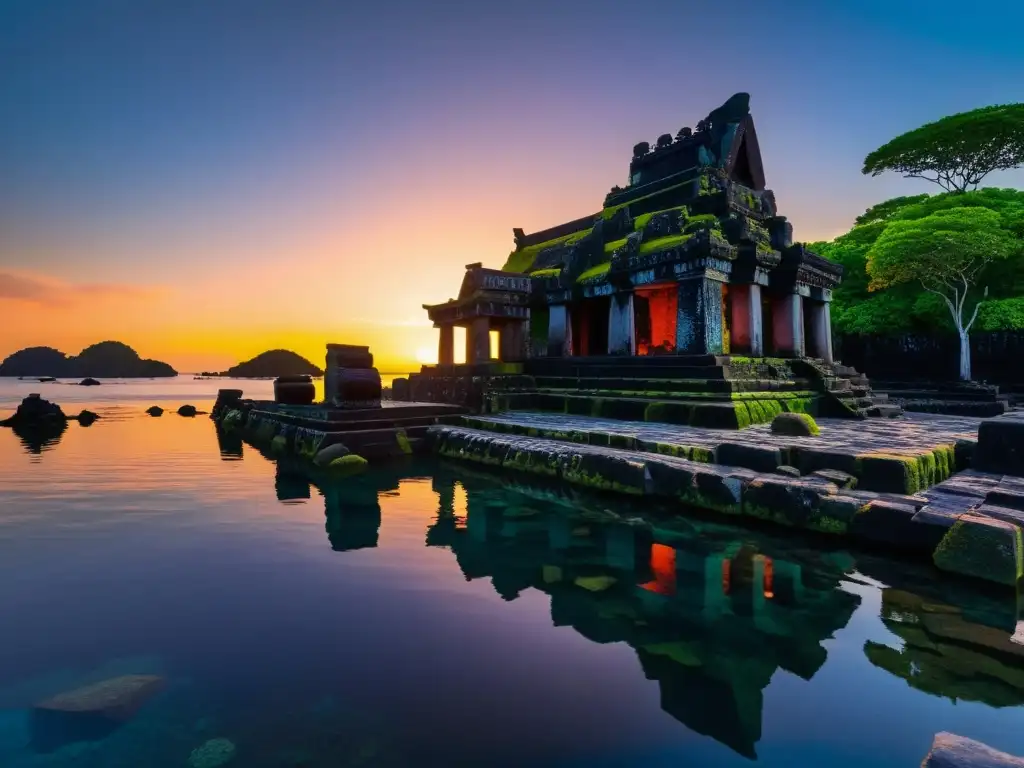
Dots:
(711, 617)
(39, 438)
(230, 445)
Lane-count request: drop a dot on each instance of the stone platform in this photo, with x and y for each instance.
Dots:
(959, 523)
(894, 456)
(394, 429)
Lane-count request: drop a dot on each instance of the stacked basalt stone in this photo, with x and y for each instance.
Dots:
(350, 380)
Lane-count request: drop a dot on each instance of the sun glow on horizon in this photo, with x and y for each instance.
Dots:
(426, 355)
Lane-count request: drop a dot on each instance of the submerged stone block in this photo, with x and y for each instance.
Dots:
(674, 480)
(983, 548)
(952, 751)
(715, 490)
(790, 502)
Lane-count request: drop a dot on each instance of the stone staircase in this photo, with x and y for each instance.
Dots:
(716, 391)
(849, 392)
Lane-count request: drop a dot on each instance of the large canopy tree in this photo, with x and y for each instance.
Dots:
(946, 252)
(958, 151)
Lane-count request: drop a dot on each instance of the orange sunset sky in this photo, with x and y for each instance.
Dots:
(205, 185)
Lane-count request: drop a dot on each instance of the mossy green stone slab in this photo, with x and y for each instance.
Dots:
(984, 548)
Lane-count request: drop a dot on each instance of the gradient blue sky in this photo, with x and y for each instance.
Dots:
(206, 179)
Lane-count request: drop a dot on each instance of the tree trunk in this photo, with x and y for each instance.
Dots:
(965, 356)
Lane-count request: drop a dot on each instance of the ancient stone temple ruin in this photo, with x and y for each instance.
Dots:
(690, 257)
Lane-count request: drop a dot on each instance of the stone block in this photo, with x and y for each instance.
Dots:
(787, 471)
(842, 479)
(930, 524)
(998, 512)
(952, 751)
(887, 522)
(760, 458)
(888, 473)
(810, 460)
(716, 490)
(793, 503)
(607, 472)
(671, 479)
(1006, 496)
(982, 547)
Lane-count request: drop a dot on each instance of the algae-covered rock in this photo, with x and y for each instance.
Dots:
(326, 455)
(155, 410)
(984, 548)
(348, 465)
(795, 425)
(551, 574)
(595, 583)
(214, 753)
(279, 444)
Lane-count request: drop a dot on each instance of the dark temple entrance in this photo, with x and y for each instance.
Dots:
(589, 319)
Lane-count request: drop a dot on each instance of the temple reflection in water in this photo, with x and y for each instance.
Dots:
(711, 617)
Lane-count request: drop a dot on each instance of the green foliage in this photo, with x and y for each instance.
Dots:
(958, 151)
(907, 307)
(522, 260)
(549, 272)
(702, 221)
(1001, 315)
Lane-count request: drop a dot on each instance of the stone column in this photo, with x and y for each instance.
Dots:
(446, 345)
(559, 331)
(820, 326)
(699, 320)
(511, 342)
(747, 332)
(621, 333)
(478, 341)
(788, 325)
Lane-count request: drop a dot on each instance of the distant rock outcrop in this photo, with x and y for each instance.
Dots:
(108, 359)
(276, 362)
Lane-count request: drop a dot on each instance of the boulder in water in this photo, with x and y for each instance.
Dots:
(87, 382)
(85, 418)
(155, 410)
(35, 412)
(187, 410)
(325, 456)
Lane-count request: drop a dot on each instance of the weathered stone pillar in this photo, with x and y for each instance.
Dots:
(559, 331)
(621, 333)
(446, 345)
(512, 341)
(747, 332)
(820, 326)
(788, 325)
(478, 341)
(699, 322)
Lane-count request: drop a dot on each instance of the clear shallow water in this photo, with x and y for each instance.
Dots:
(426, 614)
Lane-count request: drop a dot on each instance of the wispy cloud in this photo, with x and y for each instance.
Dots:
(38, 289)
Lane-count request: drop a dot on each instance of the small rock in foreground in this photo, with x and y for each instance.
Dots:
(952, 751)
(795, 425)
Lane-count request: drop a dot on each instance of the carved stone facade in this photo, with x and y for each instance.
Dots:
(695, 234)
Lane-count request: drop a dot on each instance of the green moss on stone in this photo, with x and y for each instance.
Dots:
(523, 259)
(403, 442)
(983, 548)
(888, 473)
(663, 243)
(549, 272)
(595, 273)
(349, 464)
(702, 221)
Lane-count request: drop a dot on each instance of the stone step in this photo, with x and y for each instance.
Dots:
(885, 411)
(635, 385)
(879, 397)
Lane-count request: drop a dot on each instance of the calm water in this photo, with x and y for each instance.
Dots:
(428, 615)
